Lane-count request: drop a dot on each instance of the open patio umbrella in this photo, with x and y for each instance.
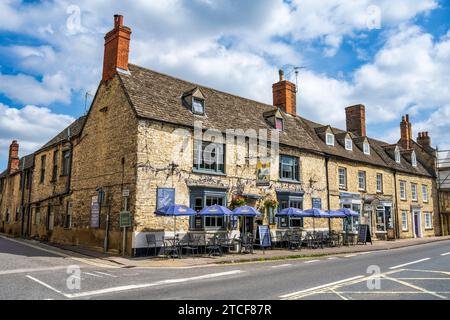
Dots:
(290, 212)
(246, 211)
(175, 210)
(316, 213)
(215, 210)
(348, 212)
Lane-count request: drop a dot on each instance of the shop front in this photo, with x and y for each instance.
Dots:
(289, 199)
(353, 202)
(379, 215)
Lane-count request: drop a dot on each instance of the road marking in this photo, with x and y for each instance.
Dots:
(106, 274)
(407, 284)
(409, 263)
(93, 274)
(311, 261)
(45, 285)
(445, 254)
(282, 265)
(30, 270)
(332, 258)
(412, 278)
(350, 255)
(141, 286)
(293, 294)
(339, 294)
(54, 252)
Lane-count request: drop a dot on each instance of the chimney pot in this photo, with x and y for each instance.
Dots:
(356, 120)
(13, 159)
(285, 95)
(117, 48)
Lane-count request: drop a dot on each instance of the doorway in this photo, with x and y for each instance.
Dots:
(417, 223)
(246, 225)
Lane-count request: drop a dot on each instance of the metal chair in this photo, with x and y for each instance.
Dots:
(171, 248)
(247, 243)
(295, 241)
(226, 242)
(151, 242)
(190, 245)
(213, 246)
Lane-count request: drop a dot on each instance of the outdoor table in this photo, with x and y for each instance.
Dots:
(174, 247)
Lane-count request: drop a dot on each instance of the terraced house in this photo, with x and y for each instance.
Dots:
(145, 141)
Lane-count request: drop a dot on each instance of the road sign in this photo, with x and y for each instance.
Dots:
(125, 219)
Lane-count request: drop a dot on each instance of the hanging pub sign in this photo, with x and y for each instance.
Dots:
(95, 212)
(165, 197)
(317, 203)
(263, 172)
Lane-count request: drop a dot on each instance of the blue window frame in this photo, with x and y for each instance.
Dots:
(289, 168)
(204, 197)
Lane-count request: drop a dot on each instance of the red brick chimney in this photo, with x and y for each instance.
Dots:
(13, 159)
(285, 95)
(405, 132)
(424, 139)
(117, 48)
(356, 119)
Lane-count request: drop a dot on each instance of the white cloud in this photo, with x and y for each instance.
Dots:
(31, 126)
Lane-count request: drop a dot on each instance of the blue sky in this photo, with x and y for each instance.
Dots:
(390, 55)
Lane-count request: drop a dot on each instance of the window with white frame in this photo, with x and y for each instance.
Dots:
(342, 178)
(413, 159)
(428, 220)
(379, 182)
(403, 190)
(414, 191)
(404, 220)
(330, 139)
(362, 180)
(366, 148)
(209, 157)
(397, 155)
(348, 144)
(424, 193)
(198, 106)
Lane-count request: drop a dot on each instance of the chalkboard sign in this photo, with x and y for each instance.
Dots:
(364, 234)
(265, 240)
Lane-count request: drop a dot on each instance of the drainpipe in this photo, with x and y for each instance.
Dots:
(397, 228)
(22, 197)
(30, 177)
(328, 191)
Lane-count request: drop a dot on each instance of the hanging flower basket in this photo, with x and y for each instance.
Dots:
(238, 201)
(271, 203)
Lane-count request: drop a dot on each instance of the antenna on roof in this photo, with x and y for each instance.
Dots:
(295, 70)
(86, 96)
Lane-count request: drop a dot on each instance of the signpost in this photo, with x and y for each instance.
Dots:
(95, 212)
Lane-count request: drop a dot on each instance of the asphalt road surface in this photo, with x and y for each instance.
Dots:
(417, 272)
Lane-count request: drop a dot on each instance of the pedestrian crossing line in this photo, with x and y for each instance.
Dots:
(106, 274)
(93, 274)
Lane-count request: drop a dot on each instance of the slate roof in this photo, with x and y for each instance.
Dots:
(75, 129)
(157, 96)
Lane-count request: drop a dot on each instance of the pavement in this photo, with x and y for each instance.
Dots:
(420, 271)
(258, 255)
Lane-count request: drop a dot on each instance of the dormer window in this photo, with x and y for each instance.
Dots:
(397, 155)
(194, 100)
(366, 148)
(279, 124)
(348, 144)
(198, 106)
(330, 139)
(413, 159)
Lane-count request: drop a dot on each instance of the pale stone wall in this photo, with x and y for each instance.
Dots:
(154, 171)
(407, 205)
(105, 156)
(388, 191)
(10, 200)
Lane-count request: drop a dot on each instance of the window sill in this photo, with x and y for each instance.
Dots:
(403, 199)
(289, 181)
(343, 188)
(405, 230)
(209, 173)
(427, 229)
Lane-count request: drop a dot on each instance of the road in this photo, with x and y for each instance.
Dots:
(417, 272)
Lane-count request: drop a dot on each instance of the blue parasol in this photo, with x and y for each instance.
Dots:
(215, 210)
(174, 210)
(246, 211)
(291, 212)
(349, 213)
